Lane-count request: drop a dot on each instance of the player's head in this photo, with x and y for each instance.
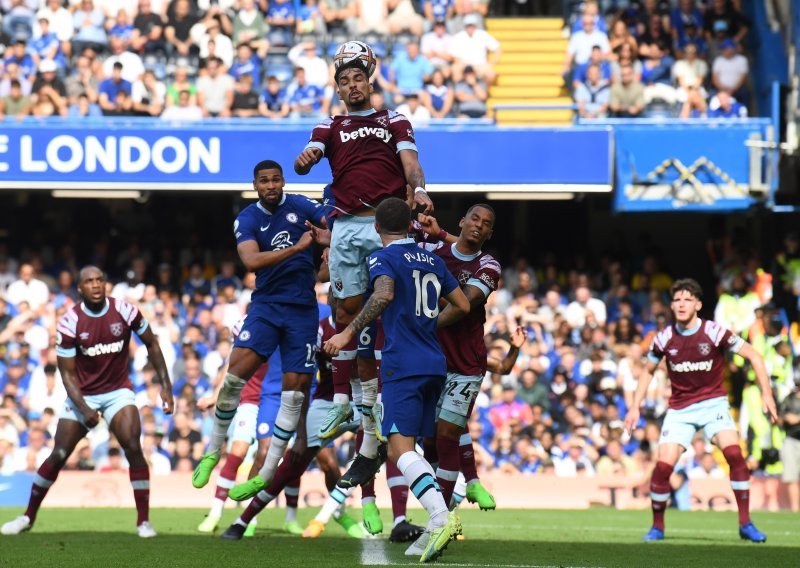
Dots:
(354, 88)
(687, 299)
(268, 182)
(92, 284)
(393, 217)
(477, 224)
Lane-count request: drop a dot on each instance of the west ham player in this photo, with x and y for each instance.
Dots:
(92, 345)
(297, 459)
(373, 156)
(407, 283)
(274, 242)
(695, 353)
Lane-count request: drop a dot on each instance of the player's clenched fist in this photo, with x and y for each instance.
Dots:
(337, 342)
(91, 417)
(305, 241)
(306, 160)
(167, 403)
(422, 200)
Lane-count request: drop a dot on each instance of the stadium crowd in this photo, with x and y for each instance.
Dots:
(559, 411)
(195, 59)
(683, 58)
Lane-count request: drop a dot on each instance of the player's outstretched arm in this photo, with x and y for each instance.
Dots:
(415, 177)
(458, 306)
(431, 227)
(156, 358)
(762, 377)
(518, 338)
(69, 374)
(255, 259)
(632, 417)
(307, 159)
(382, 295)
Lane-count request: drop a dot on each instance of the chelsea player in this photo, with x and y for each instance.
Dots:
(407, 283)
(273, 240)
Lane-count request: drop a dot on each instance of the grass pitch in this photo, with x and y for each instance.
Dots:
(502, 539)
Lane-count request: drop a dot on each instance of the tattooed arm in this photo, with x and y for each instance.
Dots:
(381, 296)
(416, 179)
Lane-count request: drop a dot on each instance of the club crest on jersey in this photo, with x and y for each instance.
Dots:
(346, 122)
(244, 335)
(281, 241)
(291, 217)
(84, 335)
(705, 348)
(463, 276)
(382, 121)
(116, 329)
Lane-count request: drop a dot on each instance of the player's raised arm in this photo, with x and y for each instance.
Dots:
(415, 177)
(430, 226)
(762, 377)
(307, 159)
(382, 295)
(504, 366)
(156, 358)
(254, 259)
(69, 374)
(458, 306)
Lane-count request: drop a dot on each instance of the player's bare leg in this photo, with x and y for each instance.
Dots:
(244, 363)
(728, 442)
(127, 428)
(226, 480)
(68, 434)
(660, 488)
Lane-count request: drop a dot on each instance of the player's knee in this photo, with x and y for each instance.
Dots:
(292, 399)
(58, 457)
(230, 393)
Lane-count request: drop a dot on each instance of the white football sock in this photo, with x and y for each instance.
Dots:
(227, 402)
(285, 425)
(422, 481)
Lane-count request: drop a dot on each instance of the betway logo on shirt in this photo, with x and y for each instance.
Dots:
(691, 366)
(103, 348)
(365, 131)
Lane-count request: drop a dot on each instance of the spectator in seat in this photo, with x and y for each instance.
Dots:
(615, 462)
(212, 42)
(627, 96)
(692, 36)
(12, 73)
(471, 94)
(409, 72)
(245, 99)
(280, 17)
(723, 105)
(575, 461)
(17, 55)
(657, 76)
(790, 451)
(273, 103)
(436, 47)
(438, 96)
(149, 95)
(88, 22)
(691, 70)
(83, 107)
(581, 43)
(593, 96)
(509, 408)
(471, 47)
(309, 18)
(464, 8)
(132, 65)
(47, 83)
(110, 87)
(656, 36)
(583, 303)
(179, 84)
(305, 100)
(177, 32)
(724, 18)
(591, 10)
(417, 114)
(686, 14)
(339, 16)
(626, 56)
(371, 16)
(695, 104)
(581, 71)
(250, 26)
(46, 45)
(148, 31)
(246, 62)
(15, 104)
(621, 35)
(729, 72)
(404, 18)
(60, 21)
(438, 11)
(18, 20)
(215, 90)
(304, 55)
(123, 27)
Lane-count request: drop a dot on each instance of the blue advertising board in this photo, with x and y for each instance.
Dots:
(684, 165)
(15, 489)
(153, 154)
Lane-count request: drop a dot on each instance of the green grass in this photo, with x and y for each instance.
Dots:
(597, 537)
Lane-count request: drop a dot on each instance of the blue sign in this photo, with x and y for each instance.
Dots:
(154, 154)
(15, 489)
(684, 166)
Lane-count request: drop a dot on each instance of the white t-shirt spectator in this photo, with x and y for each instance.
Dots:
(21, 457)
(125, 291)
(576, 312)
(35, 292)
(567, 467)
(139, 92)
(420, 117)
(39, 395)
(432, 43)
(581, 44)
(132, 66)
(182, 113)
(317, 72)
(159, 464)
(472, 50)
(730, 71)
(60, 23)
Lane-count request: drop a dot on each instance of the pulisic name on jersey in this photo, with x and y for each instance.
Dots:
(364, 131)
(418, 257)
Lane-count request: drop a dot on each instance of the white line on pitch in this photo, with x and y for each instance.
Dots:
(373, 553)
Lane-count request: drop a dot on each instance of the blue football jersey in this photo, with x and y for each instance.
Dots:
(409, 321)
(292, 280)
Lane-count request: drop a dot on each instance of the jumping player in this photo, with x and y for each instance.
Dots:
(695, 353)
(407, 283)
(373, 156)
(92, 346)
(274, 242)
